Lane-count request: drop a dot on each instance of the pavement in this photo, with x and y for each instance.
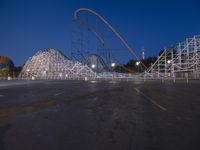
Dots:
(99, 115)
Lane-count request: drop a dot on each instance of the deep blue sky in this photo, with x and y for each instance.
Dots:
(27, 26)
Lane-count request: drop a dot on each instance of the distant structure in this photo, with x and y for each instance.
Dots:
(142, 53)
(53, 64)
(6, 62)
(6, 67)
(96, 63)
(181, 60)
(81, 21)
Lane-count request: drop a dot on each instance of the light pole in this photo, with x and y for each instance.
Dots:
(112, 65)
(93, 66)
(28, 70)
(137, 64)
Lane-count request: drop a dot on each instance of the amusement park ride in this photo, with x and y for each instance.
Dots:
(181, 60)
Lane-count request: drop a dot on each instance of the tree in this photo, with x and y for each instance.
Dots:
(5, 71)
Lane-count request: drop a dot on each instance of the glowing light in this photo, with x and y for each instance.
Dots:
(137, 63)
(93, 66)
(113, 65)
(169, 61)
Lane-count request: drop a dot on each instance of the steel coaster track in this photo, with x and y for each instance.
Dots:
(113, 30)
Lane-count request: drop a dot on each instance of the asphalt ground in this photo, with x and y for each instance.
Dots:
(99, 115)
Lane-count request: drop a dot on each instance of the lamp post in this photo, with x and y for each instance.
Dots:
(93, 66)
(137, 64)
(112, 65)
(28, 70)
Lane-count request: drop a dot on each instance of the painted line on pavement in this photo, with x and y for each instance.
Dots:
(58, 93)
(151, 100)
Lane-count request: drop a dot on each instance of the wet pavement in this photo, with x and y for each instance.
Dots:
(99, 115)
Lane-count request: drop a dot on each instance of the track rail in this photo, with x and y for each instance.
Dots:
(113, 29)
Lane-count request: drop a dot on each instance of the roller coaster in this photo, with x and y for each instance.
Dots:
(179, 61)
(52, 64)
(81, 21)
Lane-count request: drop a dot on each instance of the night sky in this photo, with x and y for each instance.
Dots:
(27, 26)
